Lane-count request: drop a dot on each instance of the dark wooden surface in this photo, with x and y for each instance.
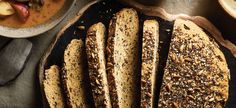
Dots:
(24, 92)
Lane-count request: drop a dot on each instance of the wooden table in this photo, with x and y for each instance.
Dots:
(24, 92)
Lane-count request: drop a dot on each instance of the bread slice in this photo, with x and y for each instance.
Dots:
(74, 74)
(122, 59)
(95, 48)
(52, 87)
(196, 73)
(149, 62)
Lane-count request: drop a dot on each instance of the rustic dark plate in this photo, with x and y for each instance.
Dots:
(38, 29)
(102, 11)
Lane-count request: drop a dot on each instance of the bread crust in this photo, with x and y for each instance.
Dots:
(52, 87)
(95, 48)
(150, 58)
(74, 75)
(122, 59)
(196, 74)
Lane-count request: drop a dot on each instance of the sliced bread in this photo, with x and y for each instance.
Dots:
(95, 49)
(52, 87)
(196, 73)
(74, 75)
(149, 62)
(122, 59)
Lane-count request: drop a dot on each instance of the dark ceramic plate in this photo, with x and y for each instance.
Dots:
(102, 11)
(39, 29)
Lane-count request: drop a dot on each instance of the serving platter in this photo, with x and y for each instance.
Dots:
(38, 29)
(102, 11)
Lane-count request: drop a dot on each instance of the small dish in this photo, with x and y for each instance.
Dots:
(229, 6)
(38, 29)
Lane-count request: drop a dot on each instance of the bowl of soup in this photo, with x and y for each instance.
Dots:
(28, 18)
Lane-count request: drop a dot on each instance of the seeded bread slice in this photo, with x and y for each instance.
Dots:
(74, 75)
(149, 62)
(52, 87)
(122, 59)
(95, 48)
(196, 74)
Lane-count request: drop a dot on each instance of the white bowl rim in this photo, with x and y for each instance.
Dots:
(227, 8)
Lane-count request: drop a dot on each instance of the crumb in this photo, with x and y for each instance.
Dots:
(168, 30)
(81, 27)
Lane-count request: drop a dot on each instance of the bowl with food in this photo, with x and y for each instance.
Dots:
(27, 18)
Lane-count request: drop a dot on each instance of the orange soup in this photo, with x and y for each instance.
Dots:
(50, 8)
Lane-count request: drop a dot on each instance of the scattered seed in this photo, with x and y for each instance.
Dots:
(81, 27)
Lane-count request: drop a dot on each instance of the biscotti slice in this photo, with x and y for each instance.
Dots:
(74, 74)
(52, 87)
(122, 59)
(149, 62)
(95, 48)
(196, 73)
